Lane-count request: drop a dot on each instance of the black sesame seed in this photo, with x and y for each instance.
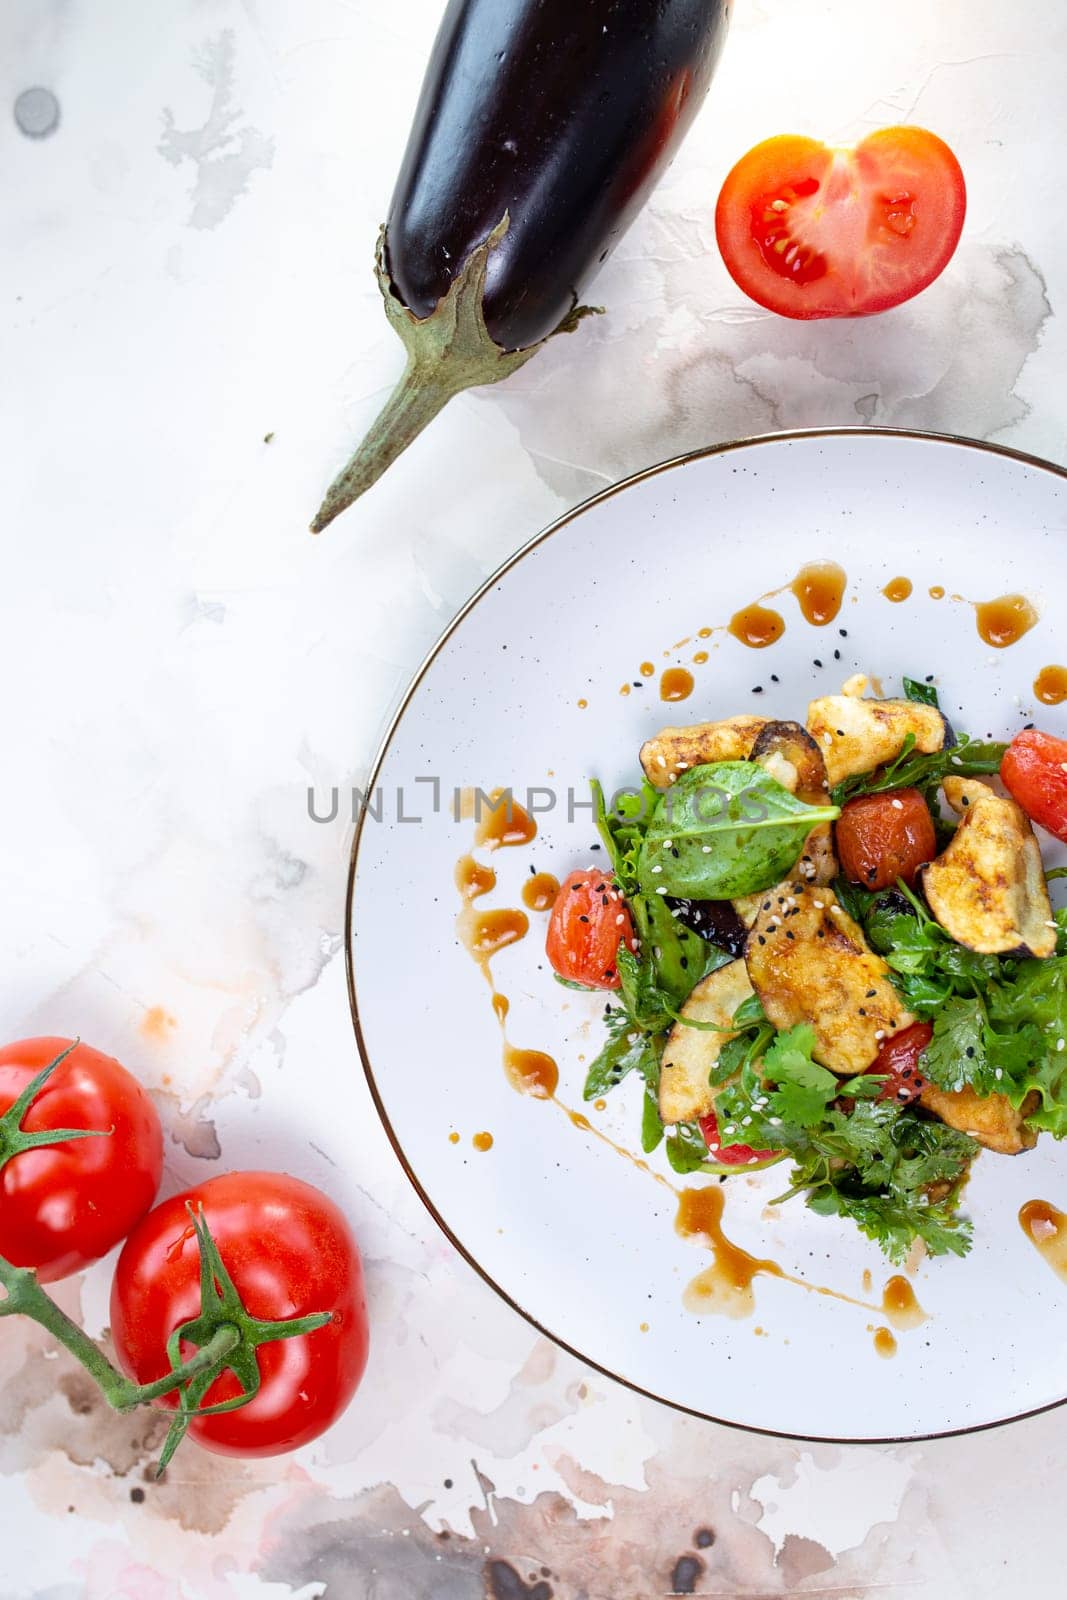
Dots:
(774, 677)
(862, 1012)
(758, 689)
(837, 655)
(582, 917)
(871, 993)
(969, 1052)
(843, 632)
(761, 939)
(790, 934)
(816, 662)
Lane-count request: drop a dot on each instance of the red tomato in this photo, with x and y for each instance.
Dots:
(883, 837)
(64, 1205)
(1034, 770)
(898, 1058)
(730, 1155)
(589, 921)
(811, 231)
(290, 1252)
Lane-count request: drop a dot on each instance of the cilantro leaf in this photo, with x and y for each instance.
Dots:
(804, 1089)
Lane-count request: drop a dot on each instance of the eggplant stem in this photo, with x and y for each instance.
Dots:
(448, 351)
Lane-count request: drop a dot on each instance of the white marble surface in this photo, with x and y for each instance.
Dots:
(185, 267)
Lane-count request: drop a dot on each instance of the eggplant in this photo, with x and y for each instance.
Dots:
(541, 129)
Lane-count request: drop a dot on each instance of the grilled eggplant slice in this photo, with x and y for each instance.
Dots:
(857, 735)
(991, 1118)
(690, 1054)
(809, 962)
(673, 751)
(790, 754)
(988, 889)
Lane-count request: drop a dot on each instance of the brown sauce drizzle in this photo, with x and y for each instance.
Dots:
(1003, 621)
(900, 1305)
(725, 1288)
(898, 589)
(1050, 686)
(820, 588)
(1046, 1228)
(503, 823)
(531, 1072)
(756, 626)
(472, 878)
(539, 892)
(676, 684)
(485, 933)
(884, 1343)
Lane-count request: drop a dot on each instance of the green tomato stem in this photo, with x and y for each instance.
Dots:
(25, 1297)
(13, 1139)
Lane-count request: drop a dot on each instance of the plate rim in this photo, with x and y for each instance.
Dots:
(557, 525)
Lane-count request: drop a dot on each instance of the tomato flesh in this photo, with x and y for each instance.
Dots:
(898, 1058)
(589, 920)
(810, 231)
(1034, 770)
(65, 1205)
(729, 1155)
(883, 837)
(290, 1252)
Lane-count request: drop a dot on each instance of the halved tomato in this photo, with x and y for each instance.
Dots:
(812, 231)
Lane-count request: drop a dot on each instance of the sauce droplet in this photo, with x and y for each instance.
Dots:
(482, 1141)
(757, 626)
(531, 1072)
(884, 1343)
(1046, 1228)
(705, 633)
(540, 891)
(647, 669)
(582, 705)
(725, 1288)
(937, 591)
(453, 1138)
(1050, 685)
(867, 1280)
(501, 1007)
(900, 1305)
(820, 589)
(898, 589)
(486, 932)
(700, 658)
(624, 688)
(1002, 622)
(676, 684)
(600, 1105)
(502, 822)
(472, 879)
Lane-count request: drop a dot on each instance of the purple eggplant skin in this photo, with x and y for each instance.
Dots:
(561, 114)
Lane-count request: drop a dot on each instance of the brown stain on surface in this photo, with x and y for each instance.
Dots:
(1045, 1225)
(676, 684)
(819, 587)
(898, 589)
(1050, 685)
(157, 1023)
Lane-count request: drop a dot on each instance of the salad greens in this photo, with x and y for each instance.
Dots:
(999, 1022)
(723, 830)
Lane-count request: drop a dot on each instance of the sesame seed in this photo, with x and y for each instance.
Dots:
(657, 869)
(620, 919)
(879, 1033)
(661, 890)
(999, 1073)
(898, 805)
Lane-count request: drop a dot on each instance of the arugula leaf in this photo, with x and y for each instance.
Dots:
(651, 1122)
(626, 1050)
(686, 1148)
(725, 829)
(924, 693)
(968, 758)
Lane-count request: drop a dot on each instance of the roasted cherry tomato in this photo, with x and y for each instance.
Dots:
(730, 1155)
(883, 837)
(64, 1205)
(811, 231)
(290, 1252)
(589, 921)
(898, 1058)
(1034, 770)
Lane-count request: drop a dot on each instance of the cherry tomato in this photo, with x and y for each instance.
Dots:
(64, 1205)
(589, 921)
(883, 837)
(730, 1155)
(811, 231)
(898, 1058)
(290, 1252)
(1034, 770)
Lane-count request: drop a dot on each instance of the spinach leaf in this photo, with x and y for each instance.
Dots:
(723, 830)
(924, 693)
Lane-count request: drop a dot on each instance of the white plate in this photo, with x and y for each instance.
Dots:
(576, 1237)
